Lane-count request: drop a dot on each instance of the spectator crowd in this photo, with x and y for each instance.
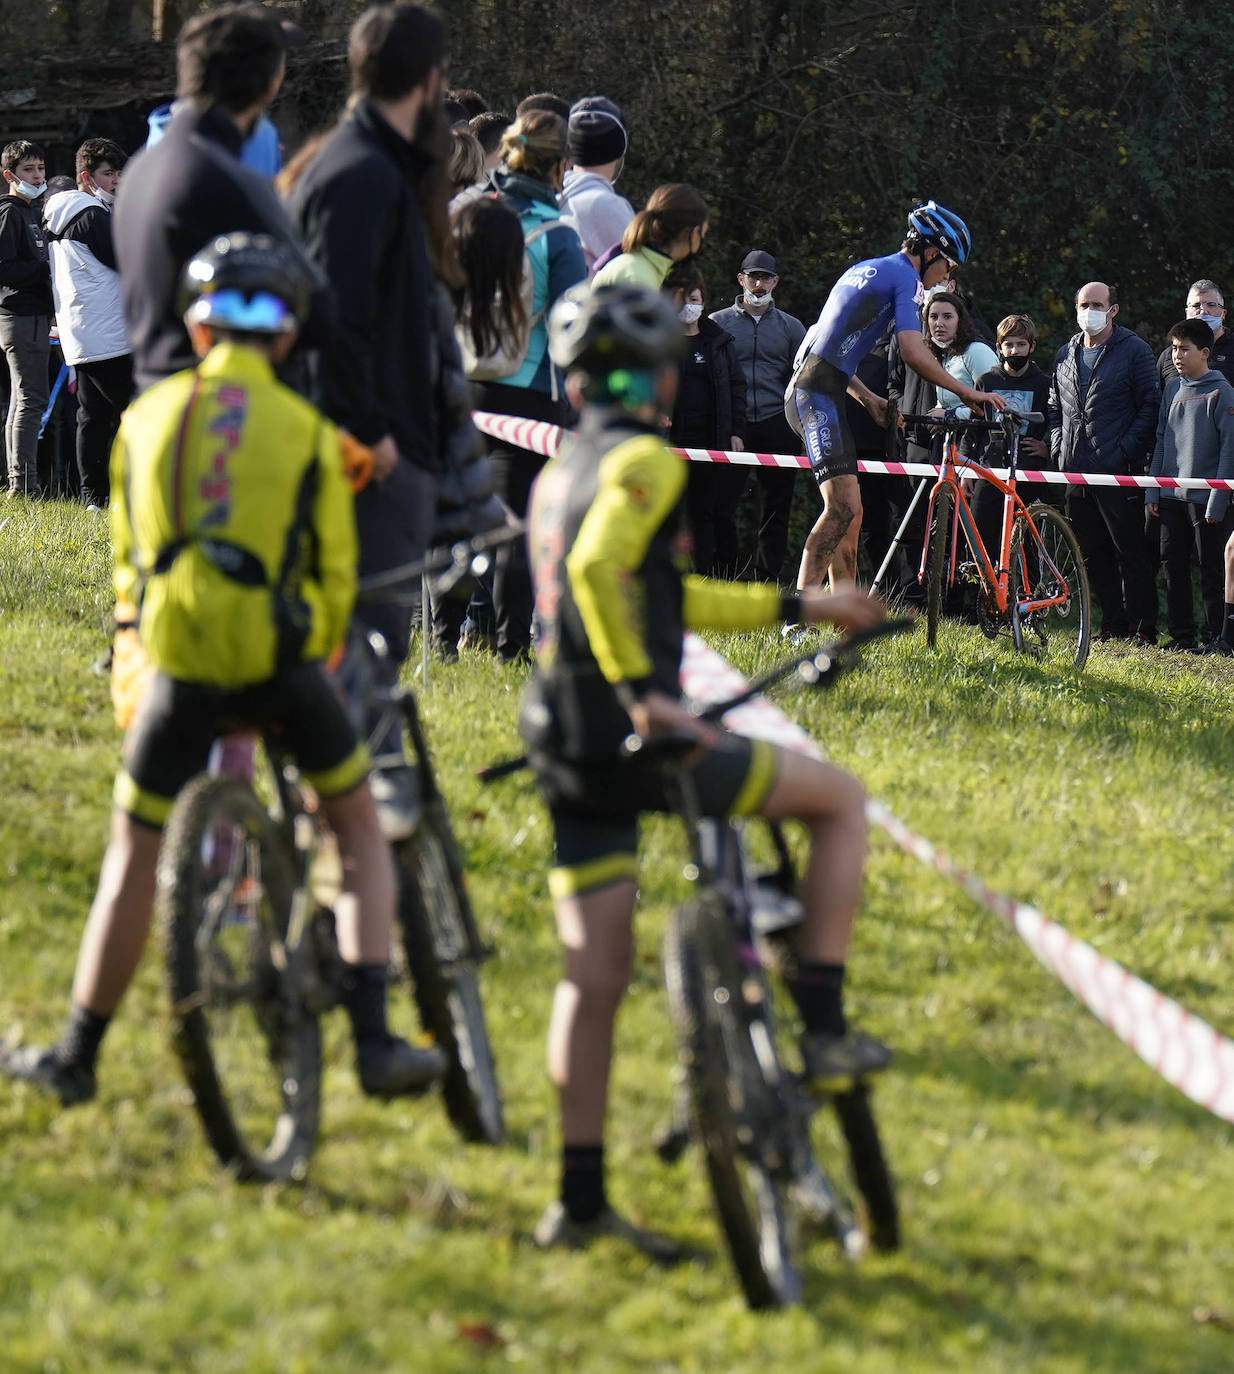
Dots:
(442, 232)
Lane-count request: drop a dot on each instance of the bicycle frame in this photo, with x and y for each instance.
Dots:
(995, 578)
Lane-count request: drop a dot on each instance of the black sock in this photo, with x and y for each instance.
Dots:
(364, 996)
(818, 990)
(83, 1034)
(1227, 632)
(582, 1181)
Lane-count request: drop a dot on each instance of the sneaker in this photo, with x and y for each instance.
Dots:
(556, 1229)
(834, 1063)
(794, 633)
(398, 800)
(393, 1068)
(92, 509)
(72, 1083)
(1217, 648)
(1140, 640)
(1178, 646)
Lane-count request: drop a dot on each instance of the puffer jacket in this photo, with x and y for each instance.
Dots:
(84, 280)
(1111, 429)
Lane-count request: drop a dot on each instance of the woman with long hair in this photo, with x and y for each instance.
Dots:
(669, 229)
(526, 384)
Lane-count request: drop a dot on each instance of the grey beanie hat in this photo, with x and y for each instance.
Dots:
(596, 133)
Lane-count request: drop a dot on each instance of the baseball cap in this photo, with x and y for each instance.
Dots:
(756, 260)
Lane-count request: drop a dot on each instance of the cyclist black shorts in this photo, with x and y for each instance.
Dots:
(815, 408)
(176, 723)
(595, 806)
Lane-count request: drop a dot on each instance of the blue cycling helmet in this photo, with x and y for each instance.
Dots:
(941, 229)
(250, 283)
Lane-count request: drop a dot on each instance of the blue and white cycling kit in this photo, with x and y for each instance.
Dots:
(868, 299)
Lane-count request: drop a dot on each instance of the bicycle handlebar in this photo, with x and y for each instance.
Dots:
(948, 420)
(457, 559)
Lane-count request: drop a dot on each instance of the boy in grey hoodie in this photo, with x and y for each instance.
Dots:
(596, 144)
(1195, 438)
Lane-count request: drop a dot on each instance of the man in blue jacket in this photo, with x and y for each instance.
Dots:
(1104, 400)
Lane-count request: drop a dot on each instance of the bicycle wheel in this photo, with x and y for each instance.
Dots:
(936, 565)
(869, 1168)
(734, 1112)
(443, 957)
(1049, 566)
(252, 1056)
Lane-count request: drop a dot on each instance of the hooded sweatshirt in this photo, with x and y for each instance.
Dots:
(84, 280)
(597, 214)
(1195, 438)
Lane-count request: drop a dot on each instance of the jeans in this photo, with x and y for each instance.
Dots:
(24, 339)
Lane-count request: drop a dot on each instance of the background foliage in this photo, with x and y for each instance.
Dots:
(1081, 138)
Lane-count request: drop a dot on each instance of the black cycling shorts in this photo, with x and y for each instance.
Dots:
(595, 807)
(818, 399)
(176, 723)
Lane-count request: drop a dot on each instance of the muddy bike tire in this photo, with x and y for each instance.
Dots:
(443, 958)
(252, 1057)
(936, 564)
(724, 1079)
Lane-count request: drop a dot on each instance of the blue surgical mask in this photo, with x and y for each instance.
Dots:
(28, 192)
(1214, 322)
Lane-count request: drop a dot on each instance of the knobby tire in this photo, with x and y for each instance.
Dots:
(703, 982)
(443, 957)
(203, 932)
(1047, 635)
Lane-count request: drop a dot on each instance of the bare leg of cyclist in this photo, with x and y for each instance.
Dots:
(364, 916)
(831, 804)
(831, 546)
(596, 931)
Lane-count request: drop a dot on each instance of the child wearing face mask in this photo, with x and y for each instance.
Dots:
(25, 310)
(89, 313)
(710, 412)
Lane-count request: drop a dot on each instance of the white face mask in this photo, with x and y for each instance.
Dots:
(107, 198)
(689, 313)
(752, 299)
(28, 192)
(1092, 321)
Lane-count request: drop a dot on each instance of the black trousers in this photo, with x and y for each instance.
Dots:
(776, 487)
(1109, 523)
(104, 388)
(1186, 537)
(713, 492)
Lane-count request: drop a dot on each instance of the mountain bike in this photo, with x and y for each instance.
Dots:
(250, 949)
(1036, 587)
(738, 1095)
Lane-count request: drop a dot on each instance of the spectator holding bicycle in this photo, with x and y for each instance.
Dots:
(239, 593)
(612, 606)
(1103, 408)
(1195, 438)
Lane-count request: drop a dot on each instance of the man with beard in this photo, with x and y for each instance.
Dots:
(357, 205)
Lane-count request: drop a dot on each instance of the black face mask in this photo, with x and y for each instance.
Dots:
(1017, 365)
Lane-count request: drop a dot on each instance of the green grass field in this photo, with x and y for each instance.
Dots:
(1065, 1210)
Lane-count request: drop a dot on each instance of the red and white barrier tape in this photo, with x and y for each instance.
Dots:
(1186, 1051)
(543, 438)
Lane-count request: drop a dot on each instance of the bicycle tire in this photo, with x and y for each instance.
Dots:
(868, 1165)
(1058, 636)
(222, 952)
(442, 954)
(703, 982)
(936, 564)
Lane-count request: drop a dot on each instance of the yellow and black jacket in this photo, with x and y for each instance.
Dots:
(609, 559)
(232, 525)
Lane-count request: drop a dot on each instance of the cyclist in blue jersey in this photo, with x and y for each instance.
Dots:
(869, 298)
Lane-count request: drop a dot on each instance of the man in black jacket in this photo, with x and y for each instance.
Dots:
(191, 187)
(358, 206)
(1104, 400)
(1205, 301)
(25, 310)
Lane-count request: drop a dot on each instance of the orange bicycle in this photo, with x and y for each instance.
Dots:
(1037, 590)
